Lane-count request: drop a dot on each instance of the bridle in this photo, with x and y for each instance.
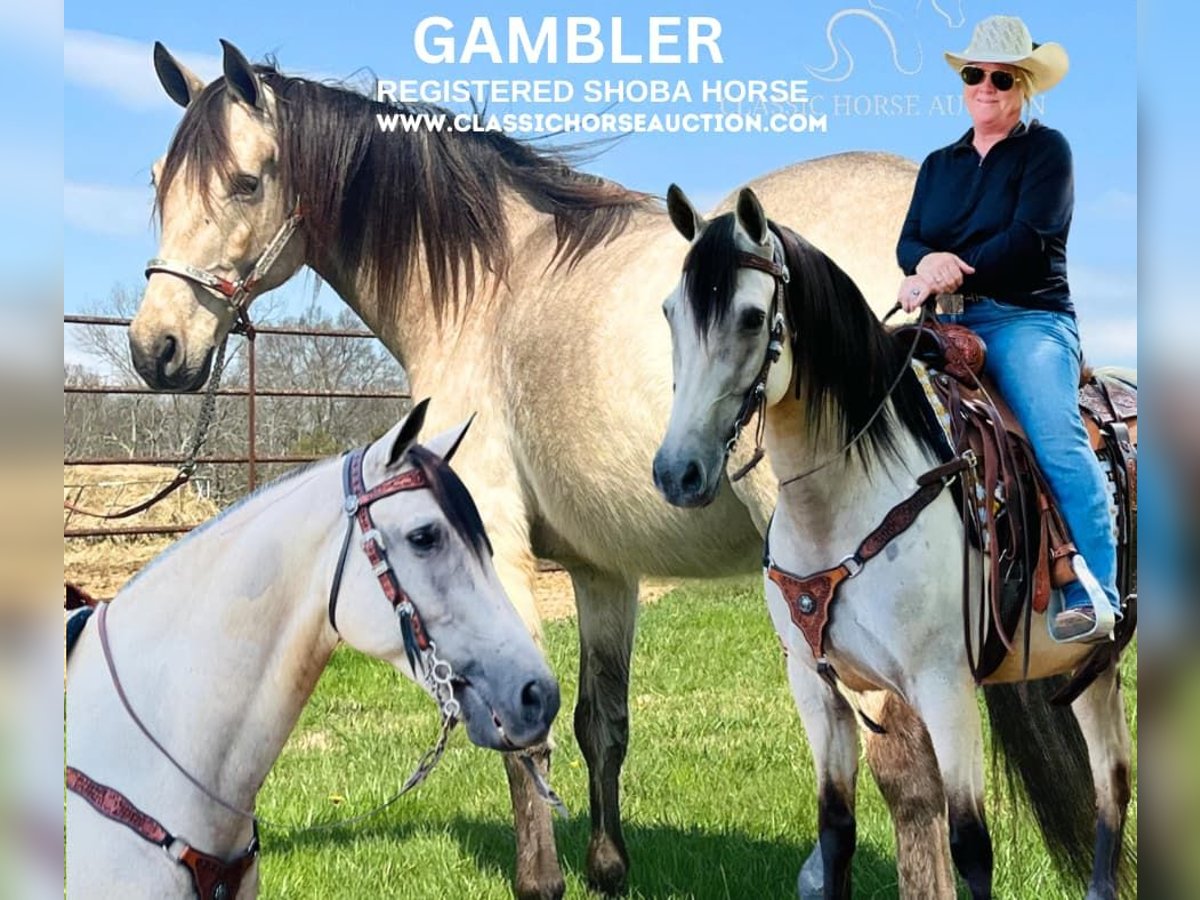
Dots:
(418, 647)
(755, 398)
(236, 294)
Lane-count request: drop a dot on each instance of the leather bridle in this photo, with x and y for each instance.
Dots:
(418, 647)
(236, 294)
(755, 398)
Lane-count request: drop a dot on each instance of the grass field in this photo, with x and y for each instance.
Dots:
(718, 788)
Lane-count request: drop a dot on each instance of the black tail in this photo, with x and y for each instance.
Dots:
(1043, 756)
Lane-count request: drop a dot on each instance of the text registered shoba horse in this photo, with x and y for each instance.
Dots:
(181, 696)
(762, 319)
(506, 281)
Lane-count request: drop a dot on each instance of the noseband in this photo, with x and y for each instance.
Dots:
(237, 294)
(755, 398)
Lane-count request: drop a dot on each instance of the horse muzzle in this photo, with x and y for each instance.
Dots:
(510, 718)
(684, 480)
(162, 363)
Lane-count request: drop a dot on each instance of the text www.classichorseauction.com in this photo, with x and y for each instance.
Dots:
(779, 105)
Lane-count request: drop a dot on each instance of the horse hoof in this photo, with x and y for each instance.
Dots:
(810, 884)
(607, 867)
(550, 890)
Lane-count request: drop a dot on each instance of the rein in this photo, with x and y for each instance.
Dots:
(908, 358)
(237, 295)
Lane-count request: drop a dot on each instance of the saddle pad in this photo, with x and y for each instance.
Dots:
(75, 622)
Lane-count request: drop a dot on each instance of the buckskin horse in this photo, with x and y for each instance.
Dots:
(510, 284)
(863, 581)
(181, 695)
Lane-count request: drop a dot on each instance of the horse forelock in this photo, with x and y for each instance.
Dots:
(452, 497)
(844, 359)
(710, 272)
(380, 202)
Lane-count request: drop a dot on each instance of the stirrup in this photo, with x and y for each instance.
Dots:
(1106, 619)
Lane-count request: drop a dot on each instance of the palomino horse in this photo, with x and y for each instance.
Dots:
(509, 283)
(214, 653)
(897, 623)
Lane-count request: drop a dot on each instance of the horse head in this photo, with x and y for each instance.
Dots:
(226, 212)
(729, 354)
(463, 638)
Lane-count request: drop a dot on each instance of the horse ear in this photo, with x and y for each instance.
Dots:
(751, 216)
(181, 83)
(446, 443)
(686, 220)
(405, 433)
(240, 75)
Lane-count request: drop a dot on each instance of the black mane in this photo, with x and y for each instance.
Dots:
(844, 359)
(384, 201)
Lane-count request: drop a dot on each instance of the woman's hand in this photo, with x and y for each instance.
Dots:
(914, 290)
(943, 272)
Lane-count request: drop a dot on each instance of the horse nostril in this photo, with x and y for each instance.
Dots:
(693, 478)
(532, 697)
(166, 350)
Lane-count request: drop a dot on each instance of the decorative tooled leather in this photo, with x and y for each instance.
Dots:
(114, 805)
(965, 351)
(809, 601)
(214, 878)
(898, 520)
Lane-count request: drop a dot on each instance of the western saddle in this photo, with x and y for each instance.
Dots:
(1007, 508)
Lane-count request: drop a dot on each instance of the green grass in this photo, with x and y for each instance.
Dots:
(718, 788)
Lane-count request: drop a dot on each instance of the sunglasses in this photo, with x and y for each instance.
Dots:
(1001, 81)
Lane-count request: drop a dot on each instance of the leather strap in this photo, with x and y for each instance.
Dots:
(810, 597)
(357, 503)
(213, 877)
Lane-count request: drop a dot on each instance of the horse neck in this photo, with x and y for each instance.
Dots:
(414, 335)
(828, 511)
(224, 640)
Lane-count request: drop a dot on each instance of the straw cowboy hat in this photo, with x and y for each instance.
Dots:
(1006, 39)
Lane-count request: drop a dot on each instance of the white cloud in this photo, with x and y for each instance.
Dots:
(124, 69)
(1113, 204)
(108, 210)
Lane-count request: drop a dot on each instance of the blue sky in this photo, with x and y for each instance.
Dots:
(117, 121)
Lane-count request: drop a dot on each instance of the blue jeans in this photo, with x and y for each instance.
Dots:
(1033, 356)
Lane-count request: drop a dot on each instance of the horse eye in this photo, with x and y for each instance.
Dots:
(752, 319)
(244, 185)
(423, 539)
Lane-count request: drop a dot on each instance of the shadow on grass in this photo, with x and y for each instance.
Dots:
(667, 861)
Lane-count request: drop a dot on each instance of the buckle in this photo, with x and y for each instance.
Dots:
(176, 849)
(350, 504)
(372, 536)
(852, 564)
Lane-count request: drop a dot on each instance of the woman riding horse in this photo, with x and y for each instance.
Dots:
(987, 232)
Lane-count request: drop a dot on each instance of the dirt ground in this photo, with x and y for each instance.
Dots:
(100, 566)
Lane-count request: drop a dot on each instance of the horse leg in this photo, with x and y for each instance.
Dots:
(1100, 712)
(946, 701)
(607, 605)
(833, 737)
(905, 767)
(538, 874)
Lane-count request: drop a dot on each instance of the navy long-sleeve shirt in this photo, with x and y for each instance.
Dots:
(1006, 214)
